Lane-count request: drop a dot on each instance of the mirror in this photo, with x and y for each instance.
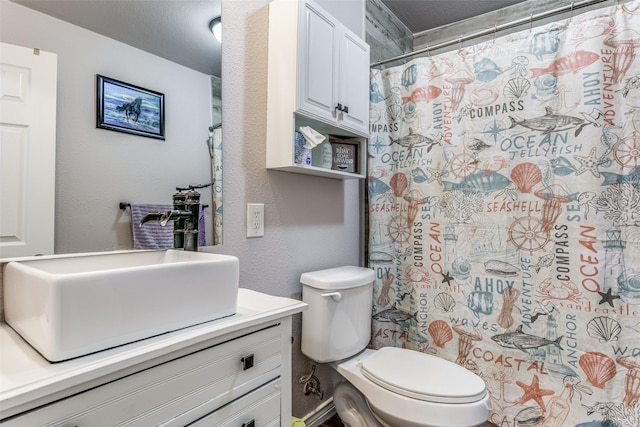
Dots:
(153, 45)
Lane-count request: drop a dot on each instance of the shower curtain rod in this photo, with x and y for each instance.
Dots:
(535, 17)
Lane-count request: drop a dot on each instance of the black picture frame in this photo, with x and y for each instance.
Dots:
(123, 107)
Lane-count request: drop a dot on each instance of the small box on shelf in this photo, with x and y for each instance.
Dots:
(344, 155)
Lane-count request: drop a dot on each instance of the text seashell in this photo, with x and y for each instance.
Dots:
(525, 176)
(441, 333)
(444, 302)
(599, 368)
(604, 328)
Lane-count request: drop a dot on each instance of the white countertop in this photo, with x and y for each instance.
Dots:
(26, 377)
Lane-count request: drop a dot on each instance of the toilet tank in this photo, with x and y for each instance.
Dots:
(337, 323)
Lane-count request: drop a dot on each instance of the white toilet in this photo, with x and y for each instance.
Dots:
(387, 387)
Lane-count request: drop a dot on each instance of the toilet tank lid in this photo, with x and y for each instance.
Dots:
(344, 277)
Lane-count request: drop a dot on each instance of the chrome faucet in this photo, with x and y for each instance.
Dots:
(185, 216)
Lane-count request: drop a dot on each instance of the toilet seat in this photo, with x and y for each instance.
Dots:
(394, 409)
(422, 376)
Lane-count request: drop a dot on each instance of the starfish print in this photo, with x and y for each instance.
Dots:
(588, 163)
(607, 297)
(436, 174)
(533, 392)
(447, 278)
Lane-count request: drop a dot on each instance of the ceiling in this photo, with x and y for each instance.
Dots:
(178, 30)
(423, 15)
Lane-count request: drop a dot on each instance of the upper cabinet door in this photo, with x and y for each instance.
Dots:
(317, 70)
(354, 83)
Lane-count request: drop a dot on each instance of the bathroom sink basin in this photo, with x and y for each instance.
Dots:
(69, 306)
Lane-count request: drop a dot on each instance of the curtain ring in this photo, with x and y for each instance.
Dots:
(495, 30)
(428, 51)
(531, 22)
(460, 42)
(571, 15)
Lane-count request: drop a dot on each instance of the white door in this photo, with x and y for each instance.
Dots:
(27, 150)
(354, 83)
(317, 64)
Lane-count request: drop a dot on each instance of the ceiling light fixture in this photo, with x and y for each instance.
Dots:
(216, 28)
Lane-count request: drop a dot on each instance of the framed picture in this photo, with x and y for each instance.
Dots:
(123, 107)
(344, 155)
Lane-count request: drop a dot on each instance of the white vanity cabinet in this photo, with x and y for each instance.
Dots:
(238, 374)
(318, 76)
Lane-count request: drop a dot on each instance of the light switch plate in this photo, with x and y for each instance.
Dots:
(255, 219)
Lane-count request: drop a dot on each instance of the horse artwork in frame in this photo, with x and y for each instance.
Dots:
(123, 107)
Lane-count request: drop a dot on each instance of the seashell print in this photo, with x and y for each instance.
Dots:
(500, 268)
(486, 70)
(516, 88)
(599, 368)
(526, 176)
(441, 333)
(604, 328)
(561, 166)
(410, 75)
(398, 183)
(444, 302)
(393, 113)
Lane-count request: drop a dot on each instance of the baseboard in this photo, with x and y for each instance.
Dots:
(321, 414)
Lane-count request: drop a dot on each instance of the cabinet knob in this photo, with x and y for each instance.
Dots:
(251, 423)
(247, 362)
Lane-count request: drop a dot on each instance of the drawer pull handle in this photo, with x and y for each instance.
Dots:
(251, 423)
(247, 362)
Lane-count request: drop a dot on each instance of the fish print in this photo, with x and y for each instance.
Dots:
(632, 178)
(479, 182)
(544, 261)
(414, 140)
(545, 43)
(394, 315)
(567, 64)
(551, 122)
(423, 94)
(521, 341)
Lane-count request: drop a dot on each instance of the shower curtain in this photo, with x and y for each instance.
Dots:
(504, 216)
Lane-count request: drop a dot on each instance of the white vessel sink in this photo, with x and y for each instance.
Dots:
(69, 306)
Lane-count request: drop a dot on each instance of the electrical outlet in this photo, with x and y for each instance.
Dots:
(255, 219)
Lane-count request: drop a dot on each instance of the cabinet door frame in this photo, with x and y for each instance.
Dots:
(318, 63)
(354, 56)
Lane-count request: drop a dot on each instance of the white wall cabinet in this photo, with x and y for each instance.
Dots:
(318, 76)
(240, 377)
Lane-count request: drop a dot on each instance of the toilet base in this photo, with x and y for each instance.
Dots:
(377, 406)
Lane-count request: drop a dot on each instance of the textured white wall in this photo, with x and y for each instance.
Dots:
(96, 168)
(311, 222)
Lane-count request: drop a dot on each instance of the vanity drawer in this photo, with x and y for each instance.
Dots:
(260, 408)
(201, 382)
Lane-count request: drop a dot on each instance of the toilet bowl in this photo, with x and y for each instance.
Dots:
(386, 387)
(407, 388)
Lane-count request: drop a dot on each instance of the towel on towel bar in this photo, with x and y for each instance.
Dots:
(151, 235)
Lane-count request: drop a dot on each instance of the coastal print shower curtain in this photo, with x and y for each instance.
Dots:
(504, 213)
